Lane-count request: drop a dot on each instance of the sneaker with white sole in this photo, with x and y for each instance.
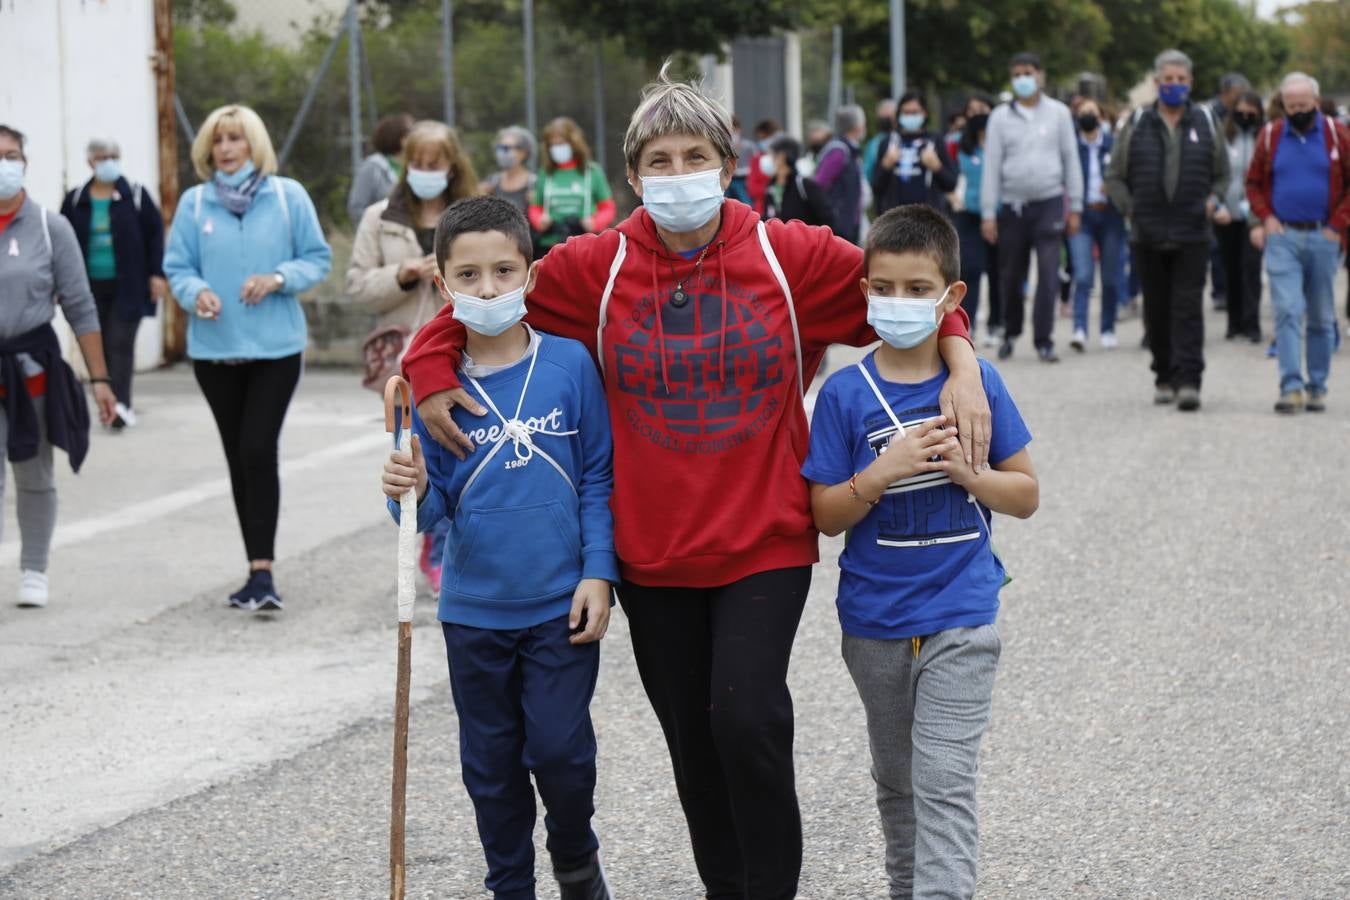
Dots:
(32, 588)
(585, 883)
(1108, 340)
(126, 414)
(1079, 341)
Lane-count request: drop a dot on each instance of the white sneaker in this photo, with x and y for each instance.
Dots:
(992, 339)
(1079, 341)
(126, 414)
(1108, 340)
(32, 588)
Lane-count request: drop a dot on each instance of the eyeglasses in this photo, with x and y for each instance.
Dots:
(507, 147)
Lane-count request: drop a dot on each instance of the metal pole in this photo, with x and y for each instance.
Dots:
(448, 61)
(354, 81)
(531, 118)
(836, 70)
(897, 48)
(306, 103)
(600, 103)
(373, 115)
(173, 340)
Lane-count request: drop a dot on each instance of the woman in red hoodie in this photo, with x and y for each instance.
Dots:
(707, 325)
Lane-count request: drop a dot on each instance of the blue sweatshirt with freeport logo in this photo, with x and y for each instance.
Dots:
(529, 507)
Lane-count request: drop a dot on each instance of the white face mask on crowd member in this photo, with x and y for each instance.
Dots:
(560, 153)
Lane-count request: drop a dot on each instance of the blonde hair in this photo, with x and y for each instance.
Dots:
(255, 132)
(568, 130)
(430, 134)
(674, 107)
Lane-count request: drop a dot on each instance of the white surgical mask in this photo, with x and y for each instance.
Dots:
(561, 153)
(768, 164)
(428, 183)
(1025, 85)
(904, 322)
(107, 170)
(683, 203)
(11, 178)
(490, 317)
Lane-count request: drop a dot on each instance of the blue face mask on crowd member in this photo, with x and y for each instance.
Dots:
(490, 317)
(682, 203)
(904, 322)
(561, 153)
(238, 177)
(1174, 95)
(428, 183)
(11, 178)
(1025, 86)
(107, 170)
(912, 122)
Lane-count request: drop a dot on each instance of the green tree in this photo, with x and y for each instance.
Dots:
(1319, 33)
(654, 29)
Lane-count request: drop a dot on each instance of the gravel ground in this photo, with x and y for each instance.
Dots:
(1169, 720)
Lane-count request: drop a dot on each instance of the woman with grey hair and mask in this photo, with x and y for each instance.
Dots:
(514, 150)
(41, 403)
(121, 236)
(707, 324)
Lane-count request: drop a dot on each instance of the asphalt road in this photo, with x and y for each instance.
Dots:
(1170, 718)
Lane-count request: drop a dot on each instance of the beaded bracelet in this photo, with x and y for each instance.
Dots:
(853, 490)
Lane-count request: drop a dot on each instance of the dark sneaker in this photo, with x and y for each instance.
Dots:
(265, 592)
(1317, 401)
(1047, 354)
(1164, 394)
(585, 883)
(244, 598)
(1005, 349)
(1188, 398)
(1289, 403)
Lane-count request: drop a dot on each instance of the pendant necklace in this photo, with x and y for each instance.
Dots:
(681, 296)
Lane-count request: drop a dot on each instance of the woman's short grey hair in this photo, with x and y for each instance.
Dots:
(103, 145)
(524, 138)
(674, 107)
(1172, 58)
(848, 117)
(1294, 78)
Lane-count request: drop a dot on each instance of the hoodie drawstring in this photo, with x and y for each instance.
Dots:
(722, 346)
(660, 330)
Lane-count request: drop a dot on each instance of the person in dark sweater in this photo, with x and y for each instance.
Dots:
(912, 165)
(121, 235)
(1167, 175)
(790, 194)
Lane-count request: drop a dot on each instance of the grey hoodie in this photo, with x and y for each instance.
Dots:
(1030, 154)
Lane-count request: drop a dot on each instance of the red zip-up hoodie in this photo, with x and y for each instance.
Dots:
(709, 428)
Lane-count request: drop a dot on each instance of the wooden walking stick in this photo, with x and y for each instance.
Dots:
(397, 394)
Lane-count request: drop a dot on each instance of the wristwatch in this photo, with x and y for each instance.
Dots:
(279, 279)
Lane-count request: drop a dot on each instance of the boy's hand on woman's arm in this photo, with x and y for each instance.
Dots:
(590, 602)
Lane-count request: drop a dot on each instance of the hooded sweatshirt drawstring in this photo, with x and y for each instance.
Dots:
(720, 373)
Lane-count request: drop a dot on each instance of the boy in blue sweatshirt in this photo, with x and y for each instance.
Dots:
(525, 595)
(919, 579)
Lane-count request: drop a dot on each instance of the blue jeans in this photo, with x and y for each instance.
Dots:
(1301, 266)
(1105, 230)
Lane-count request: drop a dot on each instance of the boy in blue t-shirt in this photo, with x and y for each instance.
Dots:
(530, 559)
(919, 579)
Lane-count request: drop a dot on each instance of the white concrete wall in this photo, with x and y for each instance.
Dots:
(81, 68)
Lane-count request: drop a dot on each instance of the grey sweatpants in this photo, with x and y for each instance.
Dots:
(925, 719)
(36, 501)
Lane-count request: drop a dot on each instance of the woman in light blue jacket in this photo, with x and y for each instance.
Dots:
(243, 245)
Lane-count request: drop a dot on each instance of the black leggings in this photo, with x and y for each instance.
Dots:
(249, 401)
(714, 663)
(119, 339)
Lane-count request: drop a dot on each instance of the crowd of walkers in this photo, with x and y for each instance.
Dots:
(681, 341)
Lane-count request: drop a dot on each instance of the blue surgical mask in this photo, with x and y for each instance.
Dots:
(239, 177)
(561, 153)
(11, 178)
(904, 322)
(1025, 86)
(107, 170)
(490, 317)
(1174, 94)
(428, 183)
(912, 122)
(683, 203)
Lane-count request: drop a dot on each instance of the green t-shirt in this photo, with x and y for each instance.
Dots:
(102, 264)
(567, 194)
